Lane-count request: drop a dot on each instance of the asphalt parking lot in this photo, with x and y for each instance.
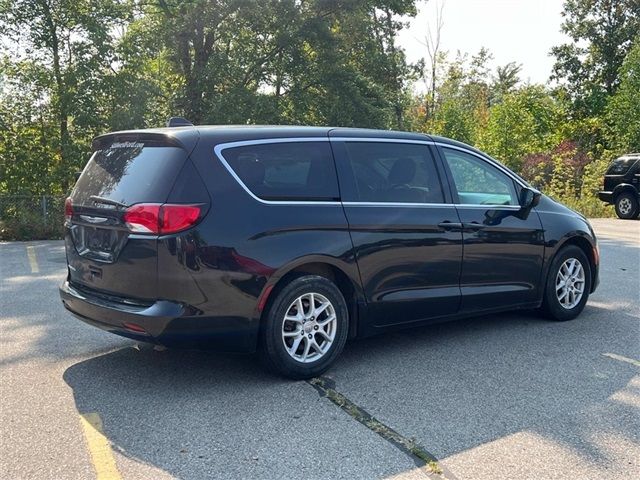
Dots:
(500, 397)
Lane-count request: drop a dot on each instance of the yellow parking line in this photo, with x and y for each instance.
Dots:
(615, 356)
(31, 253)
(99, 447)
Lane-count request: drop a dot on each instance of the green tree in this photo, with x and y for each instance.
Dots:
(462, 100)
(318, 61)
(524, 123)
(69, 41)
(623, 112)
(505, 81)
(601, 32)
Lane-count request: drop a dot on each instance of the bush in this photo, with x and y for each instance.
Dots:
(568, 175)
(31, 218)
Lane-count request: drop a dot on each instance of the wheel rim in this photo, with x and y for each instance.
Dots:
(570, 283)
(624, 205)
(309, 327)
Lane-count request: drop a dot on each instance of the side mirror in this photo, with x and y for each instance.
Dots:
(529, 198)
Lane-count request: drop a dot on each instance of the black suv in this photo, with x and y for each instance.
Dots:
(622, 185)
(290, 240)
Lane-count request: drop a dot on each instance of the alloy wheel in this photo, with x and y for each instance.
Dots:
(309, 327)
(570, 283)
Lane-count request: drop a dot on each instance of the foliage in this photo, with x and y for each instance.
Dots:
(601, 32)
(623, 112)
(31, 217)
(522, 124)
(72, 70)
(462, 100)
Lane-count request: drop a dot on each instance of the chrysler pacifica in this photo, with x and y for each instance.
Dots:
(291, 240)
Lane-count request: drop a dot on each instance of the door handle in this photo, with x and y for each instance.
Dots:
(450, 225)
(473, 226)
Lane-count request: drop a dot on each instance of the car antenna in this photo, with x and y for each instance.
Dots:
(179, 122)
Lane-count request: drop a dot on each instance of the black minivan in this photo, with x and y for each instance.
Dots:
(290, 240)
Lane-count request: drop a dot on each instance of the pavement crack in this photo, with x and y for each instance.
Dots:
(420, 456)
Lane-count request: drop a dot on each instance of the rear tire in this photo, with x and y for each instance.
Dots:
(305, 328)
(627, 206)
(568, 285)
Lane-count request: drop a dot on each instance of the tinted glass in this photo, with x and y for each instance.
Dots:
(130, 172)
(394, 172)
(620, 166)
(478, 182)
(286, 171)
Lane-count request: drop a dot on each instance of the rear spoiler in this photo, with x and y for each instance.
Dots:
(184, 138)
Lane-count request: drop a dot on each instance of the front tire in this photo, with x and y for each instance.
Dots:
(305, 328)
(568, 284)
(627, 206)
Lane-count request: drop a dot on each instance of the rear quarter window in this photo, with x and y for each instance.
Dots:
(286, 171)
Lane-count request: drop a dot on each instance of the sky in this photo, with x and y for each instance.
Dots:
(521, 31)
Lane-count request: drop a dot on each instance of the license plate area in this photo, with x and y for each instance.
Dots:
(99, 244)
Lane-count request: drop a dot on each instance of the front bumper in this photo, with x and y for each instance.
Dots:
(161, 322)
(606, 196)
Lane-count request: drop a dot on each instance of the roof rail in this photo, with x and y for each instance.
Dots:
(179, 122)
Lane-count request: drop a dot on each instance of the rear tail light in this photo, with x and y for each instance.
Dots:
(68, 209)
(174, 218)
(161, 218)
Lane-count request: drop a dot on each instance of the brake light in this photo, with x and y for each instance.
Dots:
(174, 218)
(161, 218)
(143, 218)
(68, 209)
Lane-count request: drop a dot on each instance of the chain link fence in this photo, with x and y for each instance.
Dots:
(24, 217)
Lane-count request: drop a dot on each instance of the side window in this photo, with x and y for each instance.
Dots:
(286, 171)
(394, 172)
(478, 182)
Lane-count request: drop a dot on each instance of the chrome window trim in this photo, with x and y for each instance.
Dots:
(381, 140)
(488, 206)
(440, 144)
(397, 204)
(431, 205)
(490, 161)
(218, 149)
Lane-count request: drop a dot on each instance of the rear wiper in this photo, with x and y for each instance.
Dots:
(107, 201)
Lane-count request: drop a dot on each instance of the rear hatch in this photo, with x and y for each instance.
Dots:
(111, 235)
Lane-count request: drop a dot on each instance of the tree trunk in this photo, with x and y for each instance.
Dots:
(61, 94)
(395, 80)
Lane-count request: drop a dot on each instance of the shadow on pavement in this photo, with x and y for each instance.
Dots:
(462, 385)
(202, 415)
(453, 387)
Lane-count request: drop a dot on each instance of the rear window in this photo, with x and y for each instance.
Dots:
(621, 165)
(130, 172)
(286, 171)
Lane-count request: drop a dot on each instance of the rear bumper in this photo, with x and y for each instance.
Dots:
(606, 196)
(161, 322)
